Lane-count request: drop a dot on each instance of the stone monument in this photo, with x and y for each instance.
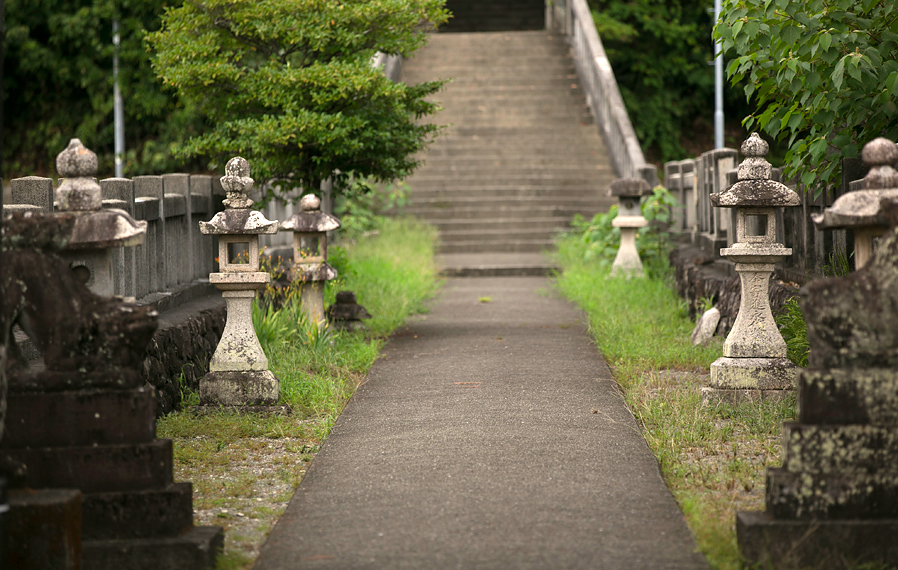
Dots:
(346, 314)
(90, 482)
(238, 372)
(629, 192)
(754, 362)
(834, 501)
(310, 268)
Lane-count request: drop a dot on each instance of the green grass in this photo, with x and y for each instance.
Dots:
(393, 274)
(713, 458)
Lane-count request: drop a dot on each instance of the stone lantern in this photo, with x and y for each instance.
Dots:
(96, 232)
(754, 353)
(310, 268)
(861, 210)
(629, 192)
(238, 372)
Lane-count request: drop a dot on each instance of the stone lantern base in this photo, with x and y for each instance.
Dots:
(240, 388)
(750, 379)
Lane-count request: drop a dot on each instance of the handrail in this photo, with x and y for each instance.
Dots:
(574, 19)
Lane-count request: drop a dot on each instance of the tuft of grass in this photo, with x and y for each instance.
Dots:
(713, 458)
(794, 329)
(393, 274)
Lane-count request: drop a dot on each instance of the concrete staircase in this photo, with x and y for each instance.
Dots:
(521, 155)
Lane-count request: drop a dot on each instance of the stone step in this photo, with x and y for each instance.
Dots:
(436, 162)
(861, 448)
(419, 204)
(93, 469)
(80, 418)
(137, 514)
(198, 547)
(510, 210)
(846, 496)
(511, 192)
(586, 176)
(519, 246)
(500, 224)
(841, 397)
(496, 236)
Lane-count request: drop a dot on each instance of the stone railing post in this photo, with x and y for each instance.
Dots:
(238, 372)
(151, 256)
(754, 362)
(629, 192)
(119, 193)
(310, 268)
(178, 240)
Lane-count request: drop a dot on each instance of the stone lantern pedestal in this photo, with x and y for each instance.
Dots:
(238, 372)
(860, 210)
(310, 268)
(754, 362)
(629, 192)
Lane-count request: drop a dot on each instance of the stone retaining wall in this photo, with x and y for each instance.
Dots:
(182, 348)
(699, 277)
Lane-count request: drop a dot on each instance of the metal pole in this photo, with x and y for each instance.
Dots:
(118, 107)
(718, 85)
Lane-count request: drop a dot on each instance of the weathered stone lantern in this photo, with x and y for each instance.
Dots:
(754, 353)
(861, 210)
(629, 192)
(238, 372)
(310, 268)
(346, 314)
(96, 232)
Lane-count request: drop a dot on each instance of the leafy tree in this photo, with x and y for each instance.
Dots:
(289, 84)
(659, 50)
(823, 73)
(58, 84)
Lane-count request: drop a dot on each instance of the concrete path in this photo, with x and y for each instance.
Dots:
(490, 435)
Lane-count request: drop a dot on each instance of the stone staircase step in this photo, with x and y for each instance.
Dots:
(520, 155)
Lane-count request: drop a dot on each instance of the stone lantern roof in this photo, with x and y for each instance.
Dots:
(238, 217)
(754, 188)
(310, 218)
(79, 195)
(862, 208)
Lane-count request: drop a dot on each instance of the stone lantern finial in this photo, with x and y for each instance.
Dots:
(755, 165)
(237, 184)
(79, 191)
(310, 203)
(880, 154)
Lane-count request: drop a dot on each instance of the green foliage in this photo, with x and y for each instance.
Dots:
(792, 326)
(289, 85)
(362, 204)
(57, 84)
(601, 240)
(837, 265)
(823, 73)
(659, 51)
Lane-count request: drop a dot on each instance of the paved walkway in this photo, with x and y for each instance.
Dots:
(490, 435)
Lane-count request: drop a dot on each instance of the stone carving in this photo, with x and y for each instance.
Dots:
(835, 498)
(629, 219)
(346, 313)
(238, 372)
(754, 353)
(310, 268)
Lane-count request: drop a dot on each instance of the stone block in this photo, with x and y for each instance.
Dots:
(839, 396)
(80, 418)
(107, 468)
(43, 530)
(819, 544)
(195, 549)
(146, 208)
(753, 373)
(844, 495)
(705, 327)
(138, 514)
(237, 388)
(839, 448)
(34, 190)
(715, 396)
(119, 189)
(174, 205)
